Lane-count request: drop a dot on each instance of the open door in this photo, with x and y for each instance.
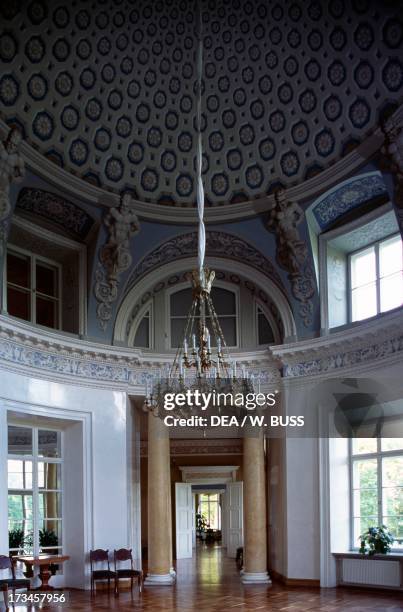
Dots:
(184, 520)
(234, 531)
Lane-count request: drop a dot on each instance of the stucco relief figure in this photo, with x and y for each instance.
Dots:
(392, 161)
(284, 220)
(115, 256)
(292, 252)
(122, 224)
(12, 169)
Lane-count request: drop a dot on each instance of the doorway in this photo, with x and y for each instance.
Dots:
(208, 515)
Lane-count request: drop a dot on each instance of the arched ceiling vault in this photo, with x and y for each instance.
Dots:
(106, 89)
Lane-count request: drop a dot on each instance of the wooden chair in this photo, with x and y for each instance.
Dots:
(12, 582)
(119, 556)
(96, 557)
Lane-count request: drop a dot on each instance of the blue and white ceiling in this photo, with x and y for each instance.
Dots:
(106, 89)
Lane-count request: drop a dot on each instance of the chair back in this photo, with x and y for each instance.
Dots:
(123, 554)
(6, 563)
(99, 556)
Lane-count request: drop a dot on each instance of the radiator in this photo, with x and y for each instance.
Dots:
(371, 572)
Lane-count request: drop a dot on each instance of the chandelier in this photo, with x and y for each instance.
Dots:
(202, 362)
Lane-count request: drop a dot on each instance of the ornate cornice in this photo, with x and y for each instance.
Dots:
(376, 341)
(58, 357)
(76, 187)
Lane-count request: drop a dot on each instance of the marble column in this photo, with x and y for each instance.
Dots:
(255, 520)
(159, 505)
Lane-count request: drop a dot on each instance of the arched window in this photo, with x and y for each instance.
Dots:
(265, 333)
(225, 304)
(142, 337)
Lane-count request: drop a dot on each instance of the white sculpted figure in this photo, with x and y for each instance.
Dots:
(393, 147)
(11, 169)
(122, 223)
(284, 220)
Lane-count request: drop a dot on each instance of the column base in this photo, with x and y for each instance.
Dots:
(255, 578)
(159, 580)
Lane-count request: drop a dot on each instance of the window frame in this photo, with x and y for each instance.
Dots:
(217, 283)
(36, 491)
(147, 307)
(375, 244)
(34, 258)
(210, 502)
(379, 454)
(270, 319)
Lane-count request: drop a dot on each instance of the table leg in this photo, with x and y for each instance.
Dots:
(45, 575)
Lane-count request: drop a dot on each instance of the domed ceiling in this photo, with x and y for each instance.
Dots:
(106, 89)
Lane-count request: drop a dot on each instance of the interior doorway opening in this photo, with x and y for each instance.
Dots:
(208, 516)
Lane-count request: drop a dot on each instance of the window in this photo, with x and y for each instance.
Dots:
(34, 489)
(33, 291)
(376, 283)
(376, 482)
(210, 509)
(142, 337)
(224, 303)
(264, 331)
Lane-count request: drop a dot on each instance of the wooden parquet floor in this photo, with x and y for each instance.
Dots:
(210, 583)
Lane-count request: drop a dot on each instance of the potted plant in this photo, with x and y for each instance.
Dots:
(47, 537)
(15, 540)
(201, 526)
(376, 541)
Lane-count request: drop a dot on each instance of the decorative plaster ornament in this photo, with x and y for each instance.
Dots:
(393, 160)
(292, 251)
(12, 169)
(115, 255)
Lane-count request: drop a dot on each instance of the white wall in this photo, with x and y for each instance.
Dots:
(95, 426)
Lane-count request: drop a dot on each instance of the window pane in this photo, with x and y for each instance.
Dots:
(388, 444)
(365, 502)
(49, 475)
(142, 337)
(49, 443)
(177, 328)
(19, 474)
(390, 256)
(228, 326)
(19, 440)
(392, 501)
(395, 526)
(392, 472)
(364, 445)
(363, 302)
(20, 534)
(20, 506)
(223, 301)
(391, 290)
(361, 525)
(181, 302)
(50, 533)
(46, 312)
(265, 333)
(46, 279)
(363, 267)
(365, 474)
(50, 505)
(19, 303)
(19, 270)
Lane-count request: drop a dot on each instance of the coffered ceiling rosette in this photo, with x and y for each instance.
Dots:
(106, 89)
